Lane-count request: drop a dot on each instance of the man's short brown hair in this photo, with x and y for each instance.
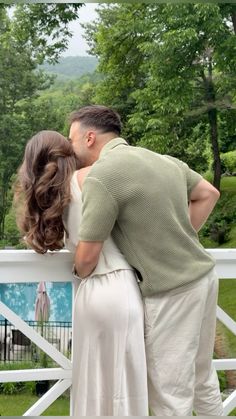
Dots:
(98, 117)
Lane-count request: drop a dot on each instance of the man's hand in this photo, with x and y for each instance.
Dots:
(203, 198)
(86, 257)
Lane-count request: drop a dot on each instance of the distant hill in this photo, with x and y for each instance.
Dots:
(71, 67)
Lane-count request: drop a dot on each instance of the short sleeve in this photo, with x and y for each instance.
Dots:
(192, 177)
(99, 211)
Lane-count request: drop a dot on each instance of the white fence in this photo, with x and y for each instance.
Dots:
(22, 266)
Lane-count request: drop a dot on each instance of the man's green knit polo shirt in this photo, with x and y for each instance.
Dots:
(141, 197)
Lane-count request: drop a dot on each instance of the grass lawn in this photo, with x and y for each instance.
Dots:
(226, 301)
(228, 184)
(17, 404)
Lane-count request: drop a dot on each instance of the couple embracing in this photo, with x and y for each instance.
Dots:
(145, 308)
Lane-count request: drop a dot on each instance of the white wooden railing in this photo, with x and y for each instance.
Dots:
(22, 266)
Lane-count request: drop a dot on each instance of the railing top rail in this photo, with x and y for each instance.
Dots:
(17, 266)
(30, 255)
(222, 254)
(22, 266)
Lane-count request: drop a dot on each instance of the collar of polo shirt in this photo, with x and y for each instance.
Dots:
(112, 144)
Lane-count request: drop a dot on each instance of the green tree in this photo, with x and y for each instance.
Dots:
(171, 70)
(51, 109)
(44, 28)
(24, 43)
(114, 38)
(17, 80)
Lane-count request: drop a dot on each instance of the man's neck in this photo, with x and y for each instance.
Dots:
(104, 139)
(117, 141)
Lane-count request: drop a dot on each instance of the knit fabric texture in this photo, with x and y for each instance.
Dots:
(141, 198)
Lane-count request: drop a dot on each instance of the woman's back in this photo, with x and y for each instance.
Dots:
(111, 258)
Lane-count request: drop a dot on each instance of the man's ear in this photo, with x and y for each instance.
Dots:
(91, 138)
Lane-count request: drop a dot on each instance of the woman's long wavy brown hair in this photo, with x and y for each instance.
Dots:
(42, 190)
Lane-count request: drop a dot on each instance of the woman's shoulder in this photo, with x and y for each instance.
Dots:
(81, 175)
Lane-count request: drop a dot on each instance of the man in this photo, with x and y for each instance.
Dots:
(154, 205)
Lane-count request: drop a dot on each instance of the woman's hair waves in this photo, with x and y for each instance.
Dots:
(42, 190)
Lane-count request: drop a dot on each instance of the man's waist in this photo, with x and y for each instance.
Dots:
(159, 282)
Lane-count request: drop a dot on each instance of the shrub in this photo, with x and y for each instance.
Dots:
(221, 220)
(30, 387)
(219, 231)
(18, 387)
(228, 162)
(208, 175)
(9, 388)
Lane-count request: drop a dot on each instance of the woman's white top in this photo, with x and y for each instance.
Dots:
(111, 259)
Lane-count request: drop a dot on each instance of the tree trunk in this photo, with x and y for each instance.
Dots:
(3, 212)
(234, 20)
(212, 117)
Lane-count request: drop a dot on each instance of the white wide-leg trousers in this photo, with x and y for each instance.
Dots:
(179, 335)
(109, 376)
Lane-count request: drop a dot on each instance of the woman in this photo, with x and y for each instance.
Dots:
(109, 365)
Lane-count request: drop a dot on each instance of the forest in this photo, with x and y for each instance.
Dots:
(169, 70)
(68, 68)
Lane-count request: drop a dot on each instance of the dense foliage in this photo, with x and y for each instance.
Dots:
(24, 44)
(170, 70)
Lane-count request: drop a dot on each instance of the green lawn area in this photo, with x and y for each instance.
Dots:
(226, 301)
(17, 404)
(226, 292)
(228, 184)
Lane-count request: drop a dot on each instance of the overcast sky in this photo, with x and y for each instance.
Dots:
(77, 44)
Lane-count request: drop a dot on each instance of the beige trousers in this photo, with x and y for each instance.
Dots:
(179, 335)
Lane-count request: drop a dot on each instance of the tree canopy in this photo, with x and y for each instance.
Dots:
(24, 44)
(170, 70)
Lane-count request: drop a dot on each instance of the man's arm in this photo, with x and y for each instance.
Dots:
(203, 198)
(99, 213)
(86, 257)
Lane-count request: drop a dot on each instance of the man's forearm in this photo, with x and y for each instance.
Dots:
(84, 269)
(203, 198)
(86, 257)
(200, 211)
